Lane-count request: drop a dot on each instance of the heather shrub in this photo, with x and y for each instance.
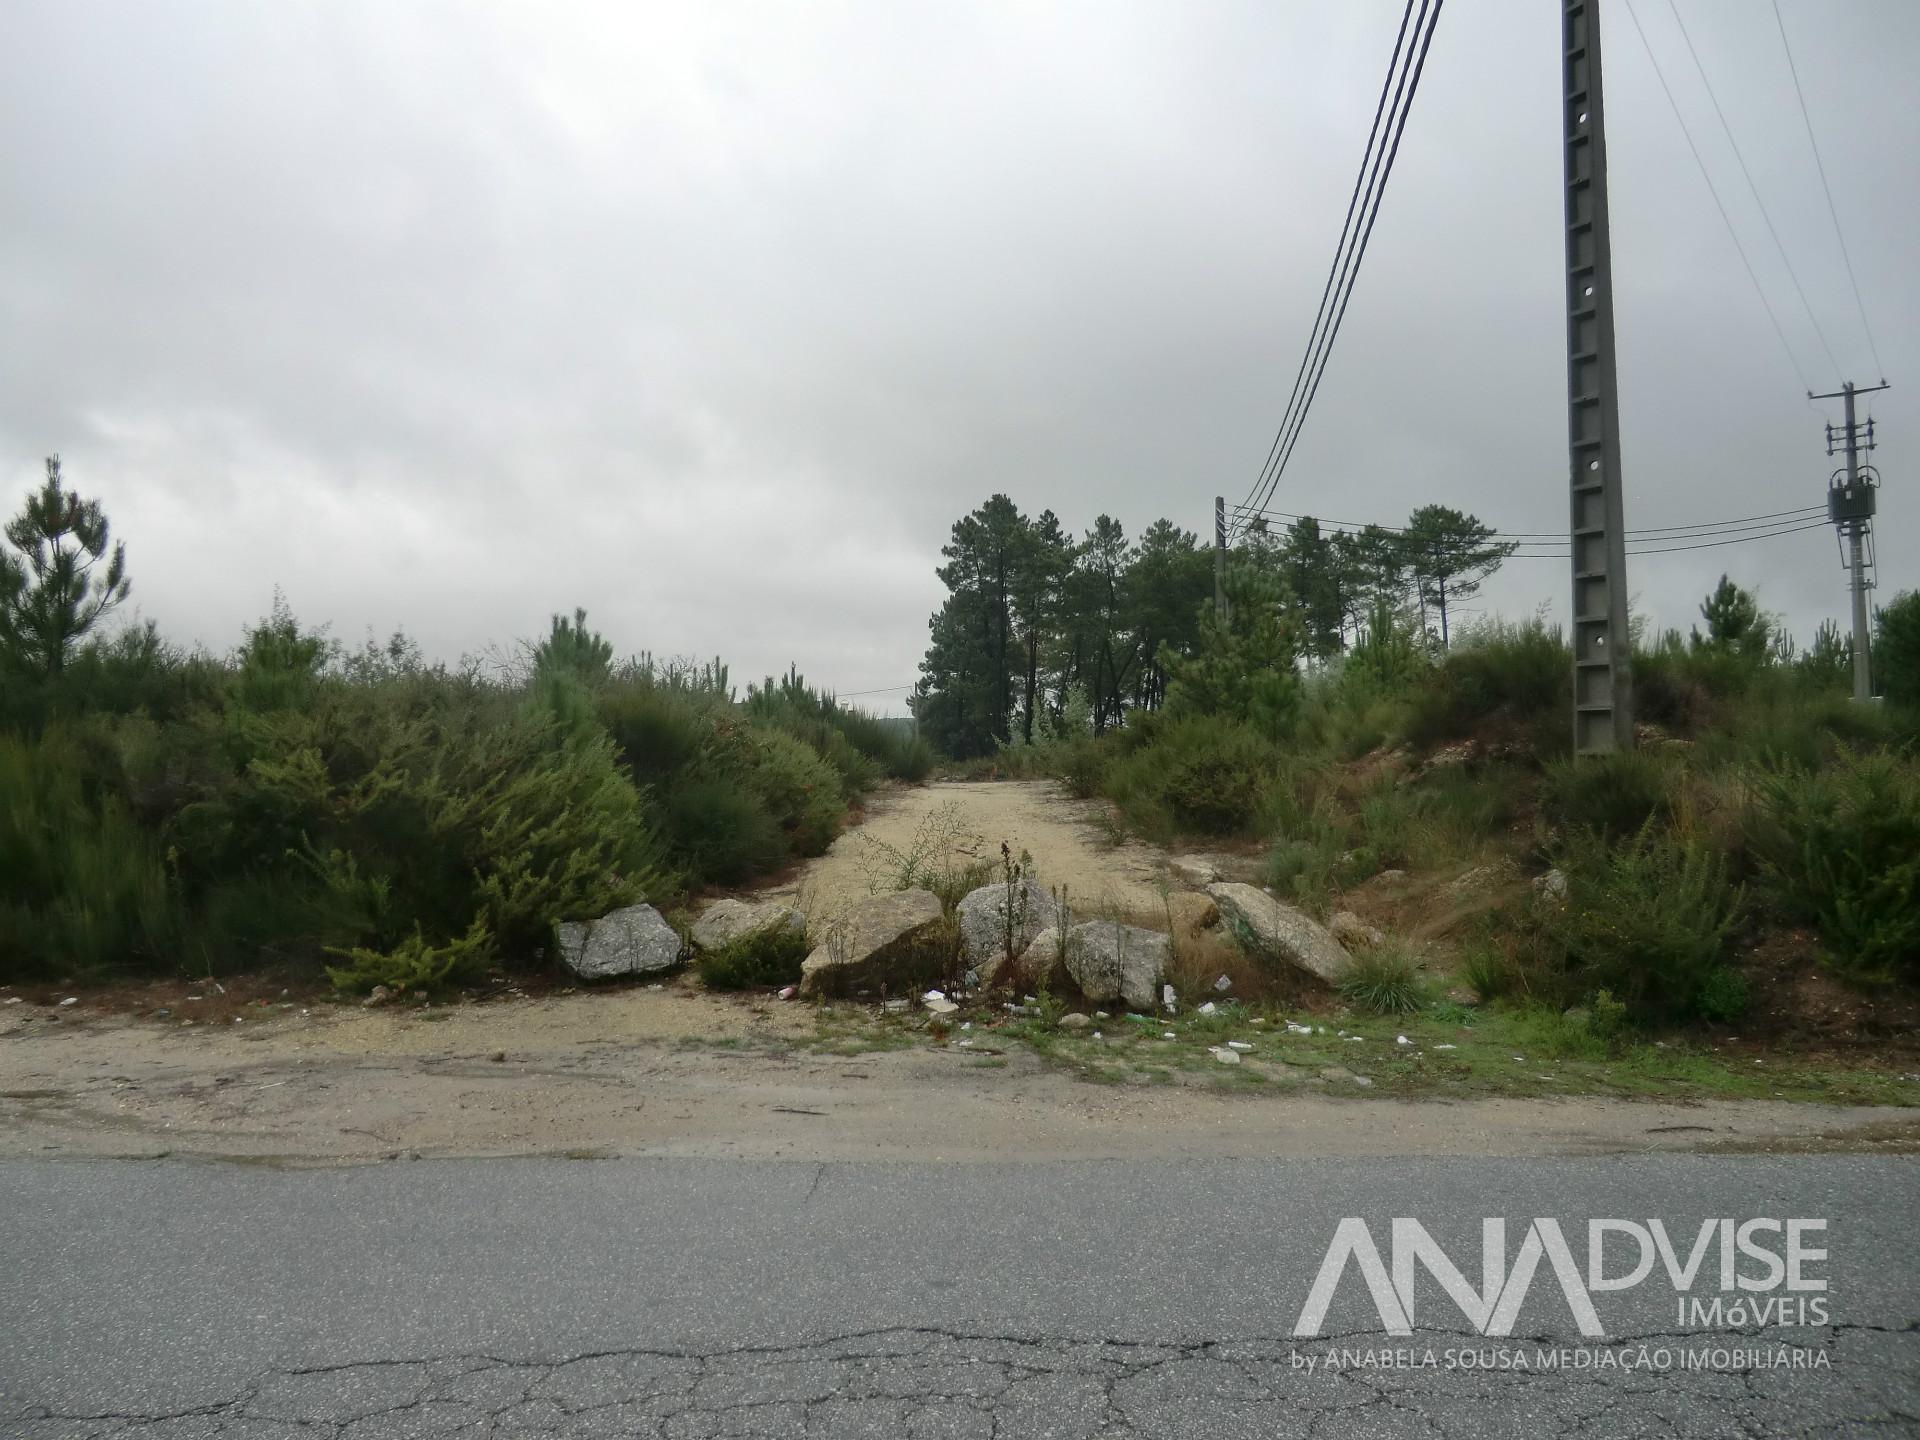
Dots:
(82, 889)
(1647, 919)
(1843, 846)
(770, 956)
(1200, 775)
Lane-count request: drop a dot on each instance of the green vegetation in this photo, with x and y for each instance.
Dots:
(770, 956)
(1385, 981)
(1338, 715)
(1645, 920)
(361, 812)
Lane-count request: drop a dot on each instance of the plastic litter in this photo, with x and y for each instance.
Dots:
(1224, 1056)
(1223, 984)
(1209, 1008)
(1242, 1046)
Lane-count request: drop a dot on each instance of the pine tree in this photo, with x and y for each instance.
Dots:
(1102, 640)
(1736, 625)
(67, 575)
(964, 700)
(1171, 575)
(1039, 601)
(1450, 555)
(1243, 666)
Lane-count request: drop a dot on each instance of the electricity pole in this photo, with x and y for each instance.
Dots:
(1850, 506)
(1602, 680)
(1220, 555)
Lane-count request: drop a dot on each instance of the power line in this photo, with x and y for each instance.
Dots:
(1538, 545)
(1651, 532)
(1753, 188)
(1726, 219)
(1377, 165)
(1832, 210)
(1346, 230)
(1326, 351)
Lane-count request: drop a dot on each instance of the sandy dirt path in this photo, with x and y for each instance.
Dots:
(958, 823)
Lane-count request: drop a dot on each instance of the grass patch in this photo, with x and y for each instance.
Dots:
(1385, 980)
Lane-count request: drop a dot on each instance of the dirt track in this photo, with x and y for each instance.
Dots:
(1068, 846)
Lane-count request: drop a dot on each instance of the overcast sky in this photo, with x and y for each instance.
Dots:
(713, 317)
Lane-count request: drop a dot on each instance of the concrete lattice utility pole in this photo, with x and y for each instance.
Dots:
(1850, 506)
(1602, 676)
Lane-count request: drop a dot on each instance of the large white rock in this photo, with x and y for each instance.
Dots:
(880, 942)
(983, 921)
(1271, 931)
(633, 940)
(1111, 962)
(726, 921)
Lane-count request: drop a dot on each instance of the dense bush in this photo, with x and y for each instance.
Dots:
(396, 823)
(1896, 649)
(1523, 672)
(82, 889)
(1646, 919)
(1194, 775)
(1844, 843)
(860, 746)
(1616, 795)
(770, 956)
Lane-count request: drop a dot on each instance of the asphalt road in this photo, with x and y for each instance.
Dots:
(704, 1298)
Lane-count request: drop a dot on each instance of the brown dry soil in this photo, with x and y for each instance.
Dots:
(1069, 846)
(246, 1070)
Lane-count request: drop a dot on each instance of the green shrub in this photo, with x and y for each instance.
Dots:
(1647, 919)
(1490, 972)
(1724, 996)
(1198, 775)
(447, 811)
(414, 964)
(769, 956)
(1685, 688)
(1844, 845)
(1524, 672)
(861, 746)
(721, 832)
(798, 788)
(82, 889)
(660, 733)
(1896, 649)
(1385, 981)
(1616, 795)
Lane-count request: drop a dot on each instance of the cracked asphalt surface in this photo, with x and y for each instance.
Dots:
(671, 1298)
